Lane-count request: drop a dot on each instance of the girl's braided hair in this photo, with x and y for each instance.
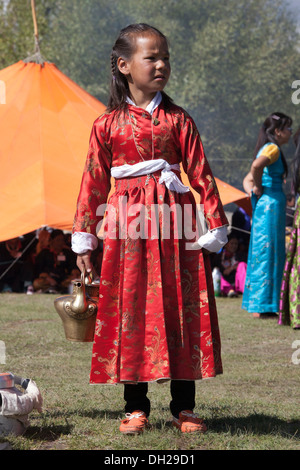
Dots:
(124, 47)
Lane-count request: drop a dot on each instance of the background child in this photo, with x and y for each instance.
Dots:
(155, 321)
(233, 268)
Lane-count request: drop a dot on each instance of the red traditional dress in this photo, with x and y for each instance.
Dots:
(156, 317)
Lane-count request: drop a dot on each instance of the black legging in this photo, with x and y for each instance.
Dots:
(182, 393)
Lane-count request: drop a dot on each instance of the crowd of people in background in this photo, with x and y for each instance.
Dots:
(39, 262)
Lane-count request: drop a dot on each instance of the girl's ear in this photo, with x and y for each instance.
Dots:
(277, 133)
(123, 66)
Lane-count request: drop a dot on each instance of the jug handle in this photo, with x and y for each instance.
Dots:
(88, 278)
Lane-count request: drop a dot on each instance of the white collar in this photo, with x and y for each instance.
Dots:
(152, 105)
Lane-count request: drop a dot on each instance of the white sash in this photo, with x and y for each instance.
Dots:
(168, 177)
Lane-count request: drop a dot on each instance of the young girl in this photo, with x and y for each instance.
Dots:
(266, 254)
(232, 267)
(157, 318)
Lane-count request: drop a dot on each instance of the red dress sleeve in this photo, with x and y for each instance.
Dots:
(95, 183)
(199, 173)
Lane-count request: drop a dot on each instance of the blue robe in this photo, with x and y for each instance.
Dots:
(266, 254)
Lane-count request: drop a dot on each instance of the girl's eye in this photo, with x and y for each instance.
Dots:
(153, 59)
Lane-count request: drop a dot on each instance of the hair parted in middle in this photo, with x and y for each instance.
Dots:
(124, 47)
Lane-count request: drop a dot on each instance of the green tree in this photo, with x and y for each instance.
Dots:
(16, 28)
(241, 65)
(80, 41)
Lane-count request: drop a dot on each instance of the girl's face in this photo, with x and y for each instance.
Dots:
(148, 70)
(232, 245)
(283, 136)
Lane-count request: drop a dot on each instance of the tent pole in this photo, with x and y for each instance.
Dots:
(36, 57)
(36, 34)
(34, 20)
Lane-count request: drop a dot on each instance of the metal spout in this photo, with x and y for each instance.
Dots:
(79, 304)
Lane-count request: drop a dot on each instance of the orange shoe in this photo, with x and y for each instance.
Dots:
(189, 422)
(134, 423)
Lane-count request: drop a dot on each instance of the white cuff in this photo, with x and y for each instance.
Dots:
(83, 241)
(215, 240)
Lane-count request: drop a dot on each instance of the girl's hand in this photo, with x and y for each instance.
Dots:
(257, 190)
(248, 183)
(84, 262)
(257, 169)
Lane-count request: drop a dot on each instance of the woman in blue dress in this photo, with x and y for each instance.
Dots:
(266, 255)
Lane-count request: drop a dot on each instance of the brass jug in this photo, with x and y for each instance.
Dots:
(78, 311)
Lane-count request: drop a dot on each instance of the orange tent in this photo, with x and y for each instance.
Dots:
(45, 122)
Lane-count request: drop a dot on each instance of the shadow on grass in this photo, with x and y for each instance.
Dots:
(93, 413)
(51, 432)
(47, 433)
(258, 424)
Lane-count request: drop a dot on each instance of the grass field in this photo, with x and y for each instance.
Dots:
(254, 405)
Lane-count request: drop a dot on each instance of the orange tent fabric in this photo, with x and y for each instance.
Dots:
(230, 194)
(45, 127)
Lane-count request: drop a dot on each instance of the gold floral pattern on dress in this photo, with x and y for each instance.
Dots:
(98, 327)
(109, 363)
(154, 320)
(85, 220)
(157, 353)
(92, 164)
